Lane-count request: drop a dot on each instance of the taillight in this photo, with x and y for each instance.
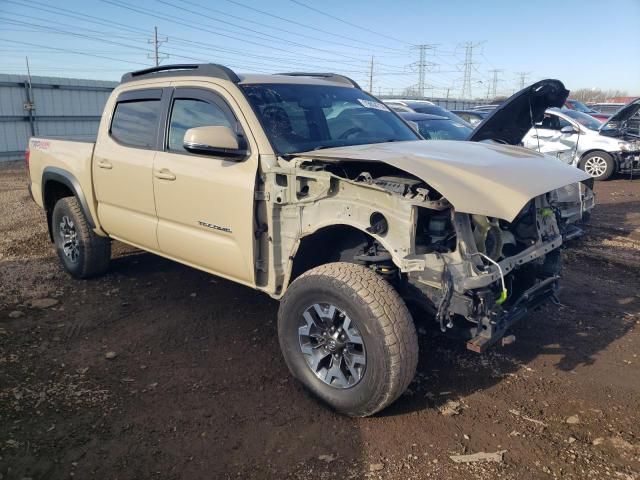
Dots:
(26, 158)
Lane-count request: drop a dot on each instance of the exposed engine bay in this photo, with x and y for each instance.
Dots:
(475, 274)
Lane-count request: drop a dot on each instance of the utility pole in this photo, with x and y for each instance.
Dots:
(371, 76)
(29, 105)
(523, 78)
(423, 65)
(494, 82)
(157, 56)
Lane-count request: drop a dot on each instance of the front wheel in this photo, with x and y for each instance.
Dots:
(600, 165)
(82, 253)
(346, 334)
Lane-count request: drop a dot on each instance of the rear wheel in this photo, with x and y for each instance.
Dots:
(346, 334)
(600, 165)
(82, 253)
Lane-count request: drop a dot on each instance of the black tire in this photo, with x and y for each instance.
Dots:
(600, 165)
(93, 251)
(382, 320)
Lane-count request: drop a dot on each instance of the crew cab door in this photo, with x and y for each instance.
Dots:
(122, 167)
(205, 203)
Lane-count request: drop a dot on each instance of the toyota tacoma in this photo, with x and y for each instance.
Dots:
(303, 186)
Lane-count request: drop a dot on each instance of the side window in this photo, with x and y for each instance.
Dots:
(563, 123)
(550, 122)
(135, 123)
(191, 113)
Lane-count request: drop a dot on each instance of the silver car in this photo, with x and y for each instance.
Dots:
(580, 140)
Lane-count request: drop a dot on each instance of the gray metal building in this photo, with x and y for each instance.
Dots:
(65, 108)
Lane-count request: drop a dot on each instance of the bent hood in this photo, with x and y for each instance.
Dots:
(511, 121)
(478, 178)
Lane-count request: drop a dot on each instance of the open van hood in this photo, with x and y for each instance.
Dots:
(511, 121)
(478, 178)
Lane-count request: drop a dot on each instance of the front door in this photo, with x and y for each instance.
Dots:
(548, 138)
(204, 203)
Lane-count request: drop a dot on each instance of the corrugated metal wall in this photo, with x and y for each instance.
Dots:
(66, 108)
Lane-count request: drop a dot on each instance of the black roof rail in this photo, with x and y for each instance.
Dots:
(205, 69)
(329, 76)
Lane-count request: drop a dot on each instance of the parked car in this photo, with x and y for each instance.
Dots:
(580, 140)
(306, 188)
(435, 127)
(578, 106)
(422, 106)
(509, 124)
(485, 108)
(472, 117)
(606, 108)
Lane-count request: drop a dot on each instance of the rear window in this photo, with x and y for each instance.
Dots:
(135, 123)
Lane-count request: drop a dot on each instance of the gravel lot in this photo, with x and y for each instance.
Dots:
(160, 371)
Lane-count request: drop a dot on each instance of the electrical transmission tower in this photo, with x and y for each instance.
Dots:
(523, 78)
(371, 76)
(468, 65)
(423, 65)
(156, 55)
(494, 81)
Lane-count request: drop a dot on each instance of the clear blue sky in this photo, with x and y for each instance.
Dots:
(584, 43)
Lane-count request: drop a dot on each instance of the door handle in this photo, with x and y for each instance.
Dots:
(104, 164)
(165, 174)
(534, 136)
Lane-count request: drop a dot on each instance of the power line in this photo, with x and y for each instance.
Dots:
(217, 32)
(282, 31)
(76, 52)
(348, 23)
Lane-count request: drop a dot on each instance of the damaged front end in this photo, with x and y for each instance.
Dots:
(483, 274)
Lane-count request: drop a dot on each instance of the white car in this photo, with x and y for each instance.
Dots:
(580, 140)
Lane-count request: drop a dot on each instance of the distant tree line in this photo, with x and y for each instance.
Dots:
(596, 95)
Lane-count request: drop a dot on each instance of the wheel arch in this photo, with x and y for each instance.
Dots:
(56, 184)
(327, 244)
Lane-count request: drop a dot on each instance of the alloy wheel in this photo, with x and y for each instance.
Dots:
(332, 345)
(595, 166)
(69, 236)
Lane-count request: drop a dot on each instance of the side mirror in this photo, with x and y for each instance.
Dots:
(214, 140)
(568, 129)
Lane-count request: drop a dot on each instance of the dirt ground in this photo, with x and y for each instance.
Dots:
(198, 389)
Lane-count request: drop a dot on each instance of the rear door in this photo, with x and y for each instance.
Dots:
(204, 203)
(122, 167)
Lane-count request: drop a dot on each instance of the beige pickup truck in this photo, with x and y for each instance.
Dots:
(307, 188)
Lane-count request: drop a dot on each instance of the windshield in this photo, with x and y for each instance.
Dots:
(444, 129)
(436, 110)
(583, 119)
(580, 107)
(300, 118)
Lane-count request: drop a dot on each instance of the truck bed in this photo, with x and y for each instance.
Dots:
(72, 158)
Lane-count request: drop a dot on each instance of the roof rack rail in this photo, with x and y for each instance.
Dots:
(330, 76)
(205, 69)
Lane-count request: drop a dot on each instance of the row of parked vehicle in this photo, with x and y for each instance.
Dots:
(597, 142)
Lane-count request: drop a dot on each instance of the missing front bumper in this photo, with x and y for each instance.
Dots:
(493, 327)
